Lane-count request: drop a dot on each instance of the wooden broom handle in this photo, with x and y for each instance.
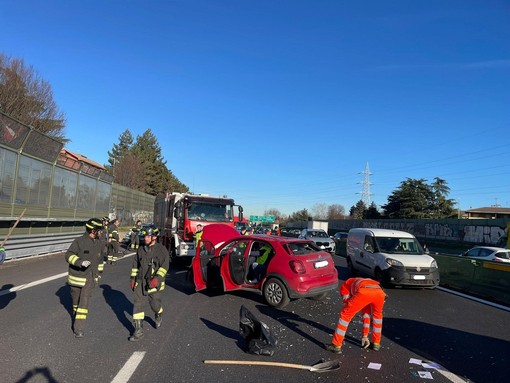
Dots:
(258, 363)
(12, 228)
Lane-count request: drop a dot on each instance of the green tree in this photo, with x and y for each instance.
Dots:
(301, 215)
(119, 150)
(140, 165)
(442, 206)
(146, 148)
(415, 199)
(358, 211)
(372, 212)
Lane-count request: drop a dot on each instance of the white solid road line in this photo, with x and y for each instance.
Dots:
(129, 367)
(31, 284)
(506, 308)
(44, 280)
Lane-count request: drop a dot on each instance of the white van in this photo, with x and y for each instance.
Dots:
(391, 257)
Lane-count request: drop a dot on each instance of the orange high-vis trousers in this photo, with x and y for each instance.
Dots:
(369, 300)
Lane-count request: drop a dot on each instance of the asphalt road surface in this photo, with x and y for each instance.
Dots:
(461, 339)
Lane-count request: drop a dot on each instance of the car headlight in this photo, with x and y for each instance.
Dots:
(433, 264)
(393, 262)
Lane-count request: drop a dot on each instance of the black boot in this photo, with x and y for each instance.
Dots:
(159, 319)
(138, 334)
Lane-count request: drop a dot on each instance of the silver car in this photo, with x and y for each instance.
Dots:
(488, 253)
(320, 237)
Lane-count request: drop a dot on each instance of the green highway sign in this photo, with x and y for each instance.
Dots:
(262, 218)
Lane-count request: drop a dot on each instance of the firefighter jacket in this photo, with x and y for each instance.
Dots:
(264, 254)
(136, 229)
(148, 263)
(113, 233)
(351, 286)
(82, 249)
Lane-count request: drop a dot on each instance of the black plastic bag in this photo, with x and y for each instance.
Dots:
(259, 338)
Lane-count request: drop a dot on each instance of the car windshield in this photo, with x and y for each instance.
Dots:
(319, 234)
(396, 245)
(301, 248)
(210, 212)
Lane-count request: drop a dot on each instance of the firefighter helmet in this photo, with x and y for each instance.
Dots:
(94, 224)
(151, 231)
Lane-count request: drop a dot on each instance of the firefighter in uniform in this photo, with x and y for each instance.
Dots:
(135, 240)
(367, 296)
(150, 266)
(85, 267)
(113, 241)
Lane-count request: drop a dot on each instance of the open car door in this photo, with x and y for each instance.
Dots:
(234, 263)
(206, 262)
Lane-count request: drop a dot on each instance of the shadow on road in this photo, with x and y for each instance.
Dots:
(226, 332)
(64, 294)
(119, 304)
(6, 297)
(293, 322)
(476, 357)
(37, 374)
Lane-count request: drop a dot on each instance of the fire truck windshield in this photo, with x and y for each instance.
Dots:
(210, 212)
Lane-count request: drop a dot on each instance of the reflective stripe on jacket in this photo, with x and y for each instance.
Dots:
(148, 263)
(82, 249)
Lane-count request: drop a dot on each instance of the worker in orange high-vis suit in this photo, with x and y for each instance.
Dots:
(367, 296)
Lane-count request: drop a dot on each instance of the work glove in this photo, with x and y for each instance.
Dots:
(153, 283)
(85, 264)
(132, 284)
(365, 342)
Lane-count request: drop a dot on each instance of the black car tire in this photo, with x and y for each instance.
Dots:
(275, 293)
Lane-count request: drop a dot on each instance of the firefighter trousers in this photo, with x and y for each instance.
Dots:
(368, 300)
(81, 297)
(113, 251)
(139, 300)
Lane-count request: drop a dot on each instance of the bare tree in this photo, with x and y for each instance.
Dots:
(26, 96)
(320, 211)
(336, 212)
(275, 212)
(129, 172)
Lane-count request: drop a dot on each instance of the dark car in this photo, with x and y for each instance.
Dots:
(340, 237)
(295, 268)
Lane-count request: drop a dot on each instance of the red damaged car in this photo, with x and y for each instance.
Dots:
(294, 268)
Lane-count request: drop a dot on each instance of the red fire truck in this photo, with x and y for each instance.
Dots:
(178, 214)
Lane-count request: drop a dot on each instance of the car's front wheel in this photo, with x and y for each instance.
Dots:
(275, 293)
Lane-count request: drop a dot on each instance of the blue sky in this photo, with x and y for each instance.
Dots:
(281, 104)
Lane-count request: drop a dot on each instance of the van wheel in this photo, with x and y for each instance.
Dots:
(275, 293)
(350, 268)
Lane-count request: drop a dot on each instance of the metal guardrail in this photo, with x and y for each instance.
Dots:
(31, 245)
(486, 279)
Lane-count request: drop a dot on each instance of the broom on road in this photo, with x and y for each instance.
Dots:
(321, 366)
